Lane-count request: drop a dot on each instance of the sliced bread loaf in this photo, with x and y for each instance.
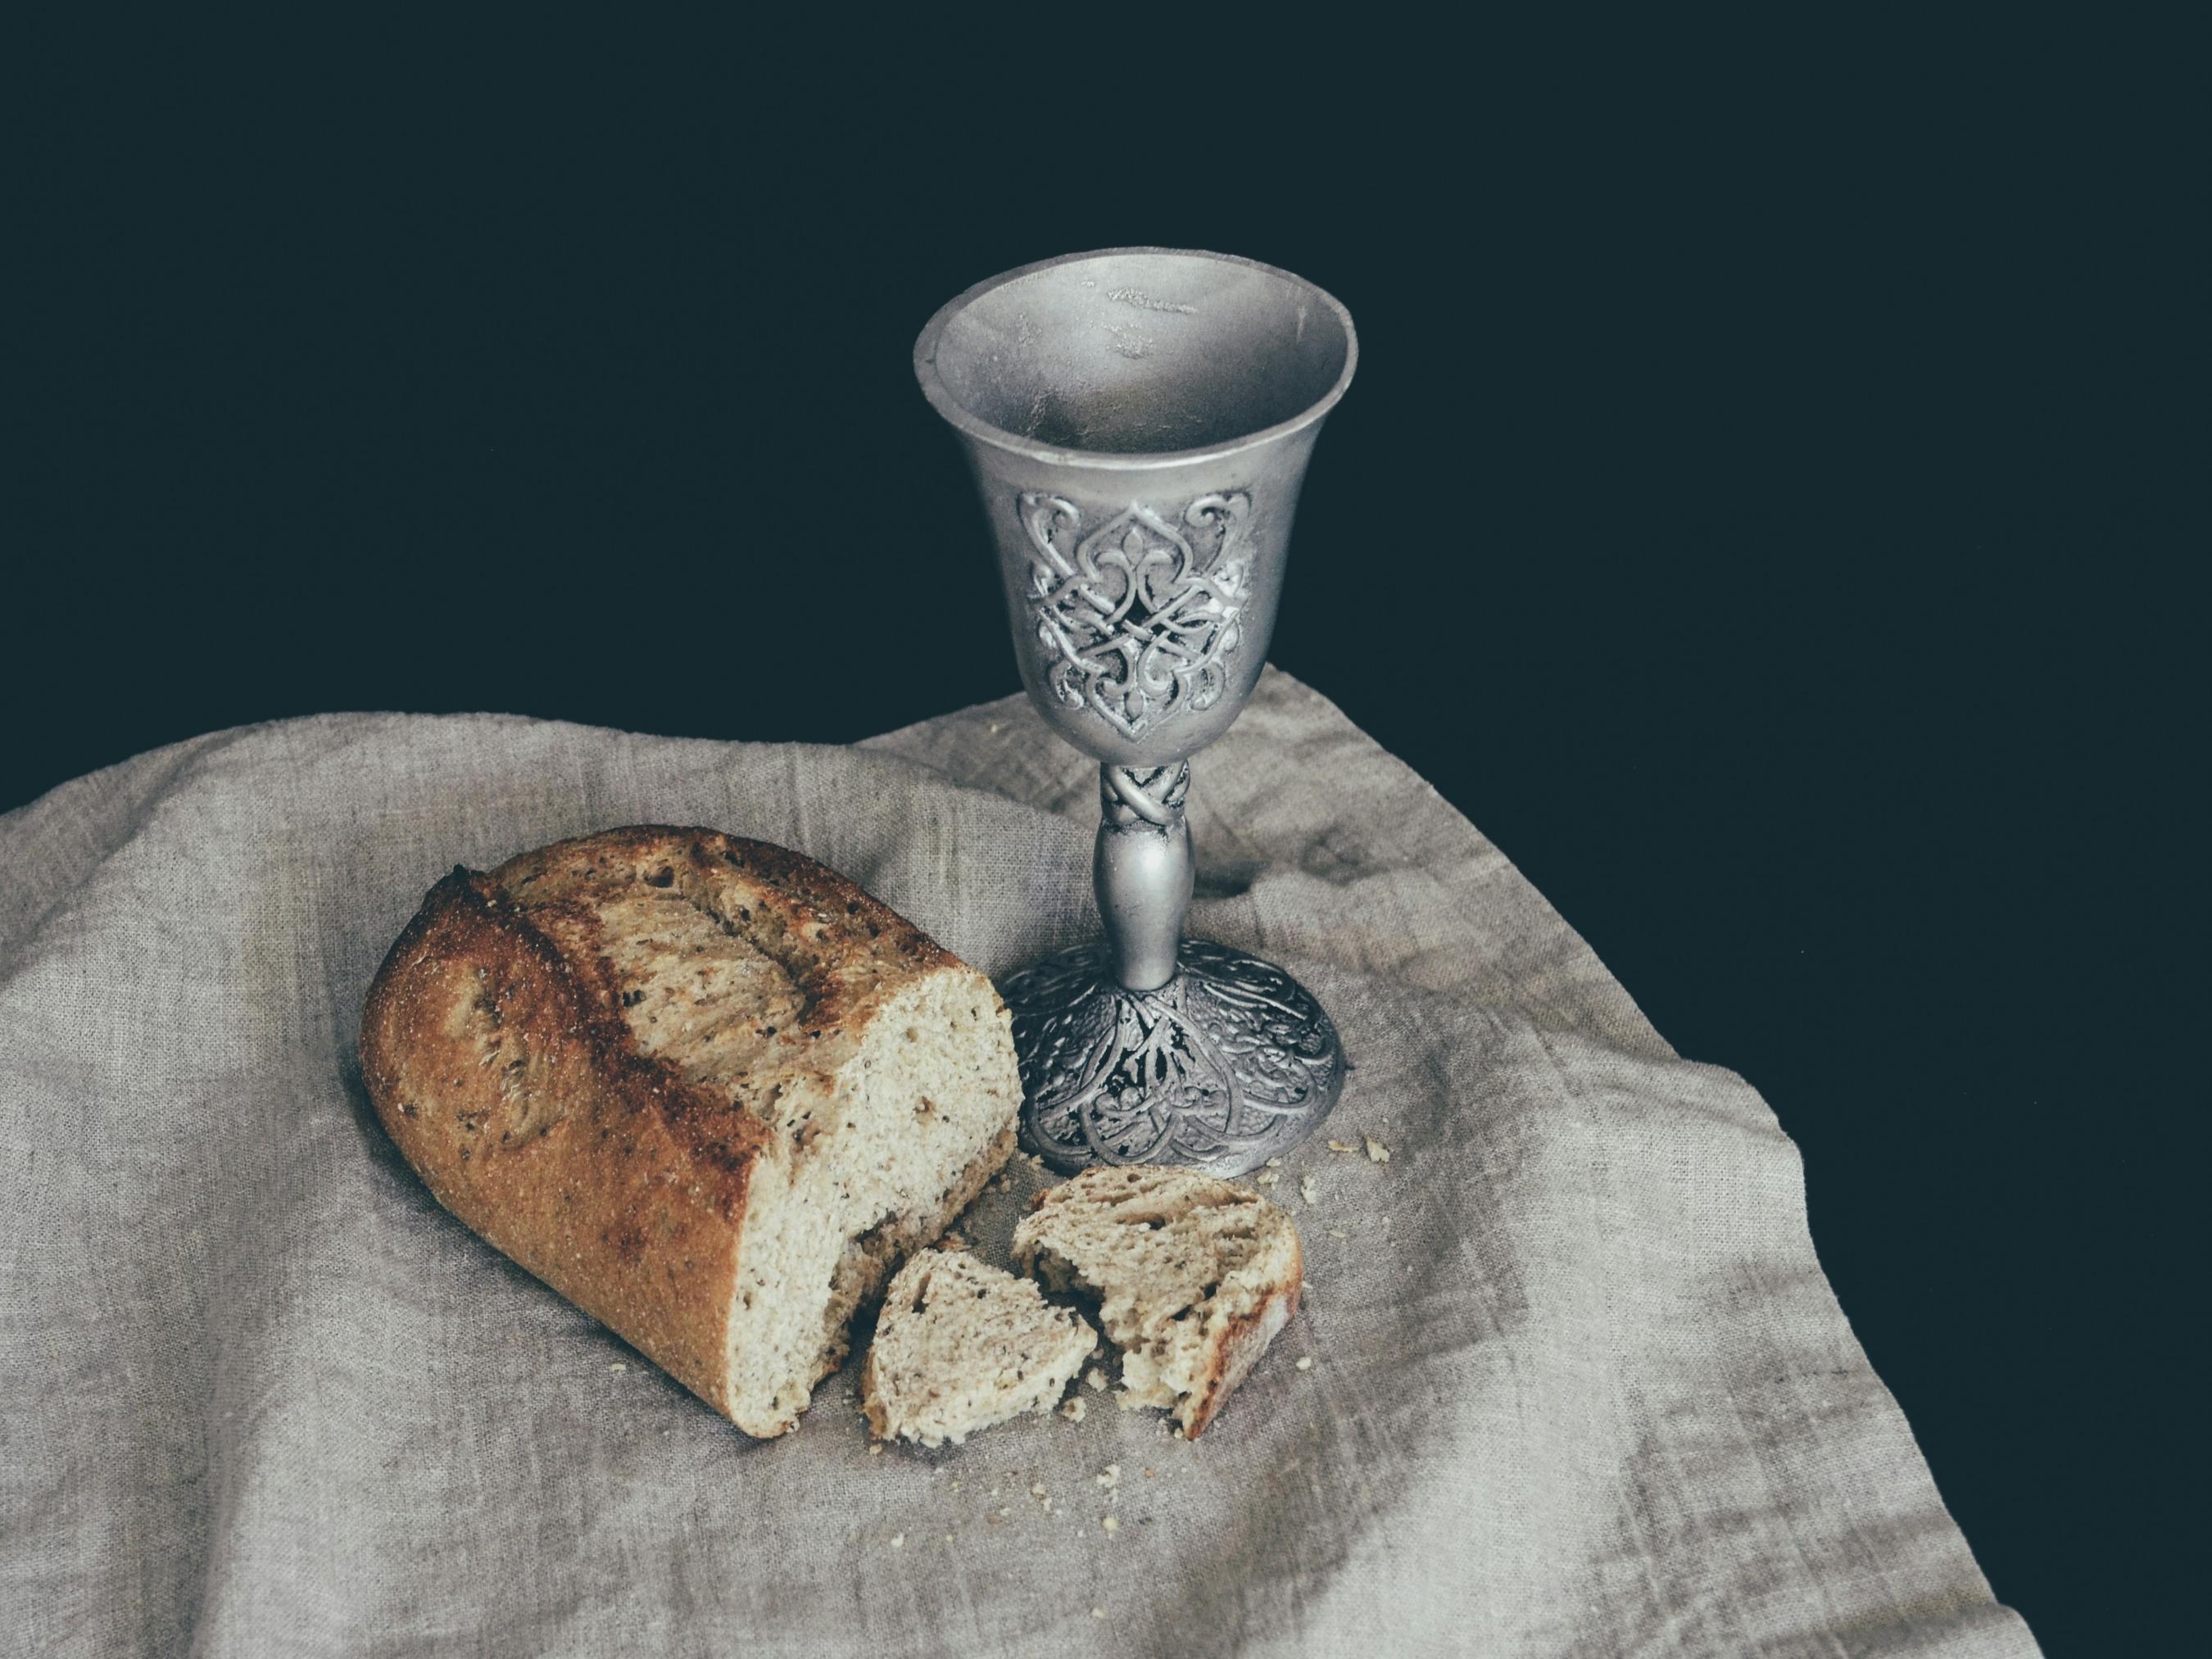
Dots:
(706, 1089)
(1194, 1277)
(961, 1346)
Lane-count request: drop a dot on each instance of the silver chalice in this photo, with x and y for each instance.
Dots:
(1139, 422)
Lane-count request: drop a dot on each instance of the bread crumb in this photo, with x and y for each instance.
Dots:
(1110, 1477)
(1305, 1362)
(955, 1485)
(875, 1449)
(1265, 1178)
(618, 1367)
(1098, 1612)
(1038, 1491)
(1376, 1152)
(1148, 1471)
(1337, 1232)
(948, 1537)
(898, 1541)
(1094, 1380)
(1310, 1189)
(1112, 1523)
(1342, 1146)
(1274, 1163)
(1071, 1409)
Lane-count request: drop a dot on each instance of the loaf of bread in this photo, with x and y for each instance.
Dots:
(1194, 1277)
(961, 1346)
(705, 1088)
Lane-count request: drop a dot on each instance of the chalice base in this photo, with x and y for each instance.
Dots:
(1229, 1064)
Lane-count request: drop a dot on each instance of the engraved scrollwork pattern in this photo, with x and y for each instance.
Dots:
(1225, 1064)
(1140, 616)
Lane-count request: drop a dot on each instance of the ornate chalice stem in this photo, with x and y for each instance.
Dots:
(1155, 1049)
(1141, 869)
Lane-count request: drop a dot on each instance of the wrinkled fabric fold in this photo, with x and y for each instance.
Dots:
(1578, 1383)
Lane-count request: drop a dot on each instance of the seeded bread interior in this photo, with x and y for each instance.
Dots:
(1194, 1277)
(961, 1346)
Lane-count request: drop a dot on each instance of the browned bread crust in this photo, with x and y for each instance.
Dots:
(1232, 1358)
(505, 1049)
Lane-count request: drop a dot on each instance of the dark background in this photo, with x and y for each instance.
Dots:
(1758, 509)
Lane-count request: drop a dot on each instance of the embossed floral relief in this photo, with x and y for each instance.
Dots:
(1141, 613)
(1229, 1062)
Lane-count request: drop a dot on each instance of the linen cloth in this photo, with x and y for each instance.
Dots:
(1578, 1384)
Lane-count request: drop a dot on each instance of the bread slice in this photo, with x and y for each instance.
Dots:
(961, 1346)
(1193, 1276)
(706, 1089)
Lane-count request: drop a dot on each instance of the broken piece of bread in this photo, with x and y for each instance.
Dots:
(961, 1346)
(1193, 1276)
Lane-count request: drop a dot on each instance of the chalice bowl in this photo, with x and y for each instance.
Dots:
(1139, 422)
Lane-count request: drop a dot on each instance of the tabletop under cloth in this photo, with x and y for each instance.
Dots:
(1578, 1383)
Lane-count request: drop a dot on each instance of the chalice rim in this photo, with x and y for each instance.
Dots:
(961, 418)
